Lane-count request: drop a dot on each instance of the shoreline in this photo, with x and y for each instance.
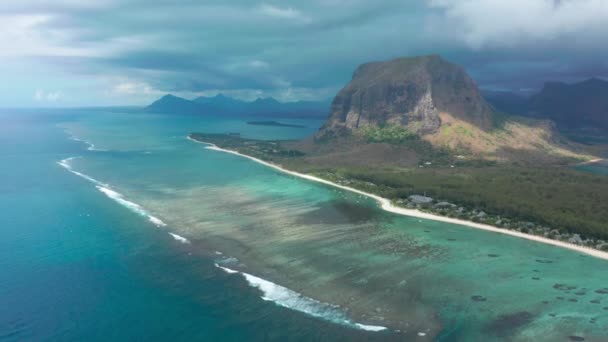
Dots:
(386, 205)
(593, 161)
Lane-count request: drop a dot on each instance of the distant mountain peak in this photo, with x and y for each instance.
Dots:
(170, 104)
(266, 100)
(170, 96)
(581, 105)
(223, 105)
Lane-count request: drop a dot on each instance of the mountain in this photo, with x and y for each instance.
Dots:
(170, 104)
(578, 106)
(409, 102)
(222, 105)
(408, 92)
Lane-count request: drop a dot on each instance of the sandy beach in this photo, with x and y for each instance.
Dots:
(594, 161)
(386, 205)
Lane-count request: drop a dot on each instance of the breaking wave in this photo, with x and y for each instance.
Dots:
(179, 238)
(134, 207)
(293, 300)
(90, 145)
(116, 196)
(65, 163)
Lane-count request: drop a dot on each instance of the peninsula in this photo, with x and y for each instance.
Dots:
(419, 126)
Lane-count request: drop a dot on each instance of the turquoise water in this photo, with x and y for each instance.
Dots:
(83, 260)
(600, 168)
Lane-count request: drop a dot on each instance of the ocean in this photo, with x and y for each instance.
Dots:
(116, 227)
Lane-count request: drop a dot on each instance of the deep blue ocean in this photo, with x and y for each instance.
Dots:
(114, 227)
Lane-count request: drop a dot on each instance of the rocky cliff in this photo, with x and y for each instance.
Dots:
(409, 92)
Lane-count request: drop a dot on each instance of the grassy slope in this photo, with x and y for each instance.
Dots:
(513, 139)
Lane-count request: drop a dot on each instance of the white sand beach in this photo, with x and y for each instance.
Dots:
(388, 206)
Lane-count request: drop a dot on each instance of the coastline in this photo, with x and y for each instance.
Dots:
(593, 161)
(386, 205)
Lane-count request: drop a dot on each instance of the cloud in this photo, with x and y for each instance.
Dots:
(510, 23)
(134, 88)
(282, 13)
(132, 50)
(50, 96)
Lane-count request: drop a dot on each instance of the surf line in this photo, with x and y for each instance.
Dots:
(114, 195)
(90, 145)
(386, 205)
(290, 299)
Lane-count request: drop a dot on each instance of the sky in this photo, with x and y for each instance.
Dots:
(130, 52)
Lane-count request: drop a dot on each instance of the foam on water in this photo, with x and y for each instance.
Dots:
(90, 145)
(118, 197)
(134, 207)
(179, 238)
(293, 300)
(65, 163)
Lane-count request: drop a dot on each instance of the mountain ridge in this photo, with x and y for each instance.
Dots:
(221, 105)
(580, 107)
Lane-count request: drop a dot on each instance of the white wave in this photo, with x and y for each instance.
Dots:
(179, 238)
(290, 299)
(90, 145)
(370, 327)
(93, 148)
(65, 163)
(118, 197)
(225, 269)
(134, 207)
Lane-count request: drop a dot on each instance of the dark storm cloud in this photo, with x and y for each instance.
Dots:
(310, 48)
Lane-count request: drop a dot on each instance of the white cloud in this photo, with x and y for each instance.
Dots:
(257, 64)
(24, 35)
(50, 96)
(134, 88)
(282, 13)
(290, 94)
(506, 23)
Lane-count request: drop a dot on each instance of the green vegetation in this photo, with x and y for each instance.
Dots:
(390, 133)
(563, 199)
(552, 201)
(270, 150)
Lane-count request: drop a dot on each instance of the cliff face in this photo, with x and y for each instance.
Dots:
(410, 92)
